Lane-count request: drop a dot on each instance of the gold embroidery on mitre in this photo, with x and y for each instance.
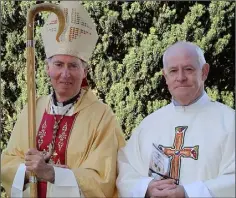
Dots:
(79, 31)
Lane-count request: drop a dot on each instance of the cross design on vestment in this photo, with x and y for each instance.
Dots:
(178, 150)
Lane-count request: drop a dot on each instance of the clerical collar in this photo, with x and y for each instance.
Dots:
(61, 104)
(177, 104)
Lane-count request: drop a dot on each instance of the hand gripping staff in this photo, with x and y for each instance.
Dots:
(31, 75)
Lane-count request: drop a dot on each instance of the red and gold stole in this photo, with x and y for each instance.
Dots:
(44, 138)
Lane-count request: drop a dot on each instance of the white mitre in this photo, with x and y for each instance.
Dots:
(79, 37)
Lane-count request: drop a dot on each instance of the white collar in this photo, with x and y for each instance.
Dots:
(60, 110)
(200, 102)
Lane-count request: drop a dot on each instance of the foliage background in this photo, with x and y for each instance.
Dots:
(126, 64)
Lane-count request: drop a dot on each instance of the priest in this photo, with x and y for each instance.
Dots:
(195, 133)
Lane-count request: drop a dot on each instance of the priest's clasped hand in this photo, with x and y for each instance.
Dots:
(160, 188)
(34, 161)
(164, 188)
(177, 192)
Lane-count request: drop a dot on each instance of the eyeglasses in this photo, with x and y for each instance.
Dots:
(165, 176)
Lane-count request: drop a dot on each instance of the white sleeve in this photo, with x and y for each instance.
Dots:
(197, 189)
(65, 184)
(18, 182)
(133, 179)
(140, 188)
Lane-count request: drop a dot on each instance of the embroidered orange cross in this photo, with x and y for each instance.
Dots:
(177, 151)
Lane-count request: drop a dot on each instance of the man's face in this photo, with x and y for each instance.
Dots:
(66, 74)
(184, 77)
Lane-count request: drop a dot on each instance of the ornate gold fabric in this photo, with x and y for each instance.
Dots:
(92, 148)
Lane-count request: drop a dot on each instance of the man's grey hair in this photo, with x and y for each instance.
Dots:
(184, 44)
